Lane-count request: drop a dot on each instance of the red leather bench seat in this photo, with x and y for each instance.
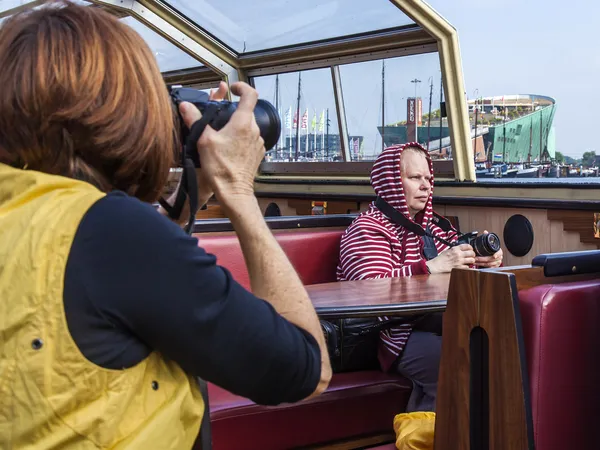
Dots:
(314, 254)
(562, 343)
(355, 404)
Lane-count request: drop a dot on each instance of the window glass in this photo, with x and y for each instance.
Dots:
(260, 24)
(312, 123)
(379, 97)
(168, 56)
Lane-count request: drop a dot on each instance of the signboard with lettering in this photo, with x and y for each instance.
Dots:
(411, 110)
(414, 111)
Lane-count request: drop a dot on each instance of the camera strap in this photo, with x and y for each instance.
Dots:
(429, 248)
(399, 219)
(190, 160)
(188, 188)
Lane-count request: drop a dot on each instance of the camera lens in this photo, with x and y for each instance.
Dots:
(268, 122)
(486, 244)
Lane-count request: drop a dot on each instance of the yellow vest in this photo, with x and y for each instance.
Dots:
(51, 396)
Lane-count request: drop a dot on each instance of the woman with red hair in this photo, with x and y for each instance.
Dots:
(108, 310)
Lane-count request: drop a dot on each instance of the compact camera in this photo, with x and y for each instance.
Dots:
(483, 245)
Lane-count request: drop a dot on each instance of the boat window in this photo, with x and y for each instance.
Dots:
(391, 98)
(312, 123)
(263, 24)
(168, 56)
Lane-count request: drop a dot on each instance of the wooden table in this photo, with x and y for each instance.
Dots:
(402, 296)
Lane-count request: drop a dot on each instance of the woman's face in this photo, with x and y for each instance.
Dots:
(416, 180)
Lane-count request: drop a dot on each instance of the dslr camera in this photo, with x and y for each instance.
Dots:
(217, 114)
(483, 245)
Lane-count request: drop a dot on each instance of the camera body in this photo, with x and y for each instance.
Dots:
(219, 113)
(483, 245)
(216, 114)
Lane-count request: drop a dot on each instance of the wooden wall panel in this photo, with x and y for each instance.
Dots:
(554, 231)
(549, 236)
(213, 211)
(581, 222)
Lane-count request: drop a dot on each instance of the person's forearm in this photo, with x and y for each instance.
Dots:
(204, 191)
(273, 277)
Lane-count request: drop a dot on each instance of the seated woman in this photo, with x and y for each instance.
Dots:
(376, 246)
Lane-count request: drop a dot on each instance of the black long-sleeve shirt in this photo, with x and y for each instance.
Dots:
(135, 282)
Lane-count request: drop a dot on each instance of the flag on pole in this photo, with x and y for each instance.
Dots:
(314, 122)
(322, 121)
(288, 118)
(305, 119)
(296, 119)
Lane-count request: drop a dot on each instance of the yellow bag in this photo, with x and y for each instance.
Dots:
(414, 431)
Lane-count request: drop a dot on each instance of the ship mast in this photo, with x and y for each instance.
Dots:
(383, 105)
(530, 141)
(429, 117)
(278, 146)
(441, 101)
(541, 136)
(298, 117)
(476, 118)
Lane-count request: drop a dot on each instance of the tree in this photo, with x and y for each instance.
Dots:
(569, 160)
(559, 157)
(588, 159)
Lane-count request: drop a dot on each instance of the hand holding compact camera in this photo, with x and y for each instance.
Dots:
(470, 249)
(486, 244)
(486, 247)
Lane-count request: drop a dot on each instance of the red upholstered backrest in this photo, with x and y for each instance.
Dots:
(314, 254)
(562, 343)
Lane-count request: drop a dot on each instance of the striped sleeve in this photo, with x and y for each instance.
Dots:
(452, 235)
(366, 253)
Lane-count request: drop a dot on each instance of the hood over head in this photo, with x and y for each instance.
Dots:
(386, 180)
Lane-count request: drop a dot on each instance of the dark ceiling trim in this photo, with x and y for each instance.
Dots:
(193, 75)
(377, 41)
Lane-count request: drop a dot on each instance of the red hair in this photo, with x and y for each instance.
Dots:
(83, 98)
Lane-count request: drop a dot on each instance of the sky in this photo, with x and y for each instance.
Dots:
(546, 47)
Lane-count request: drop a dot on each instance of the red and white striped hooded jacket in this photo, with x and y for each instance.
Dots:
(375, 247)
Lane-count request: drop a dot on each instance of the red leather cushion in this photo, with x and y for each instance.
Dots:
(354, 404)
(560, 327)
(314, 254)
